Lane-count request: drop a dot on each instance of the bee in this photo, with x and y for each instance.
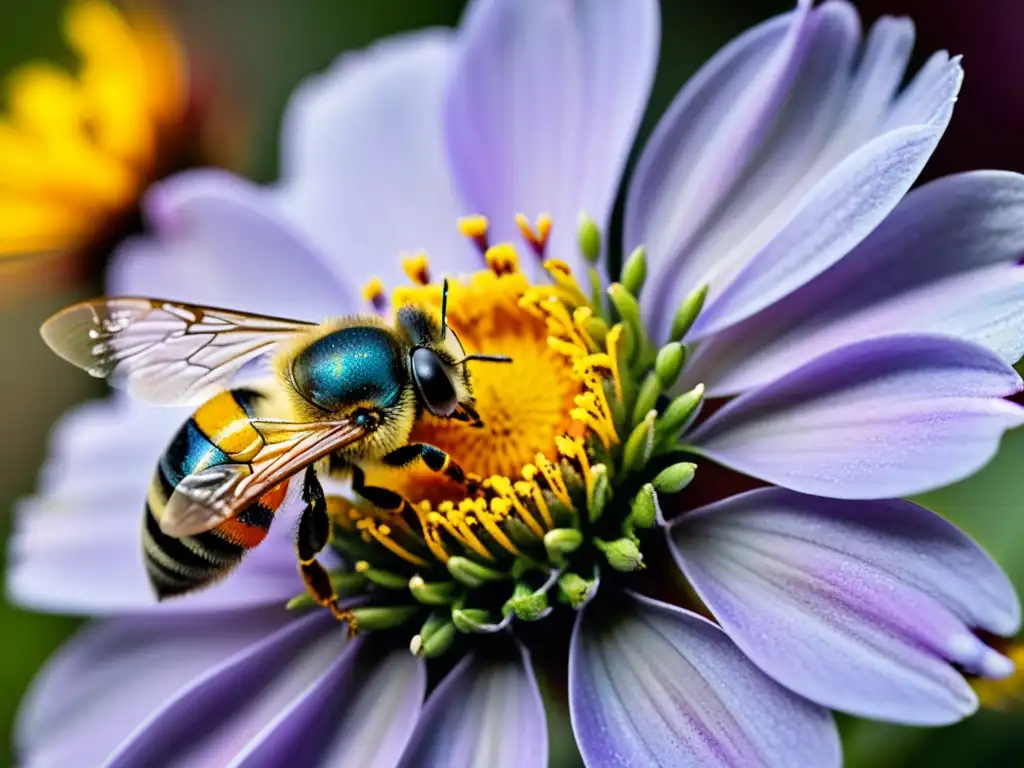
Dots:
(346, 392)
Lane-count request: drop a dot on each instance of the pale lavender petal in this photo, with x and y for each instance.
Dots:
(222, 241)
(545, 98)
(861, 606)
(882, 418)
(108, 679)
(826, 160)
(654, 685)
(487, 711)
(363, 158)
(360, 713)
(77, 547)
(944, 261)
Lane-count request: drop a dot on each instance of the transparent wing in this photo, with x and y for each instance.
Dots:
(207, 498)
(163, 352)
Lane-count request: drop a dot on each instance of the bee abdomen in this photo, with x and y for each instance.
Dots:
(218, 433)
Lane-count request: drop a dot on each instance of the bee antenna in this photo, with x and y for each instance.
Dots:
(487, 358)
(444, 309)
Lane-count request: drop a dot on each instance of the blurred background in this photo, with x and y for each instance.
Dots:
(251, 53)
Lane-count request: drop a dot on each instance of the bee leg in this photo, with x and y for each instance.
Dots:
(313, 535)
(434, 458)
(382, 498)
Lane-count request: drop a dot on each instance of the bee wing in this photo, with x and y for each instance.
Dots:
(163, 352)
(205, 499)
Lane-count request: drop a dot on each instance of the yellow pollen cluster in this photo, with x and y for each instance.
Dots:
(538, 412)
(77, 149)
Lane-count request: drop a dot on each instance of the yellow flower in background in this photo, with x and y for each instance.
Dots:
(78, 149)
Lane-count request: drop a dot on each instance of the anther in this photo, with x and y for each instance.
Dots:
(538, 235)
(475, 228)
(373, 294)
(502, 259)
(417, 268)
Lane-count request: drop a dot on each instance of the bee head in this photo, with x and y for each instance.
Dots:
(437, 363)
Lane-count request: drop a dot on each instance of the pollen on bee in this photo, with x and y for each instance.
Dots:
(538, 234)
(502, 259)
(373, 294)
(417, 268)
(475, 228)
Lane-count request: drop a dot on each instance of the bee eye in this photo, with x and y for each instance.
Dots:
(432, 382)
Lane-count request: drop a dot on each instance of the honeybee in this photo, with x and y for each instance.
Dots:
(347, 391)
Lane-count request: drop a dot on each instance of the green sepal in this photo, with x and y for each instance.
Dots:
(634, 271)
(622, 554)
(473, 574)
(560, 542)
(600, 492)
(526, 604)
(588, 238)
(469, 620)
(639, 445)
(435, 636)
(374, 618)
(669, 363)
(433, 593)
(575, 590)
(675, 478)
(688, 311)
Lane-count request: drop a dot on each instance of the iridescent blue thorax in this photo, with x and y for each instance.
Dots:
(350, 365)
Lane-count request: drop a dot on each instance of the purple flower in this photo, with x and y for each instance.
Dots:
(863, 334)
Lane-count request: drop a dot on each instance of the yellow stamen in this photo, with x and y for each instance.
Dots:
(382, 534)
(373, 292)
(475, 228)
(417, 268)
(502, 259)
(538, 235)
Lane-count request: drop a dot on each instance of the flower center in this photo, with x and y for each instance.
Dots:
(566, 468)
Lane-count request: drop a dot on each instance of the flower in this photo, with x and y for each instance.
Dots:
(853, 342)
(77, 151)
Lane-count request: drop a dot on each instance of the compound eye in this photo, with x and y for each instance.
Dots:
(433, 383)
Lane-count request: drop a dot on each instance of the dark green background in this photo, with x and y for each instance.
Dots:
(262, 48)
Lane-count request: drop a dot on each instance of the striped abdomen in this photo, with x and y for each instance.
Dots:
(219, 432)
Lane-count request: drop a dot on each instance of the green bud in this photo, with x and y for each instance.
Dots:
(639, 445)
(526, 604)
(473, 574)
(562, 541)
(468, 620)
(647, 397)
(673, 479)
(679, 412)
(382, 578)
(600, 491)
(588, 236)
(376, 618)
(626, 305)
(575, 590)
(345, 583)
(433, 643)
(433, 593)
(644, 508)
(622, 554)
(634, 271)
(688, 311)
(669, 363)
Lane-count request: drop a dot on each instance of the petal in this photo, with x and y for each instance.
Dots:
(821, 164)
(882, 418)
(654, 685)
(222, 241)
(944, 261)
(109, 677)
(363, 158)
(545, 98)
(360, 713)
(76, 547)
(488, 711)
(860, 606)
